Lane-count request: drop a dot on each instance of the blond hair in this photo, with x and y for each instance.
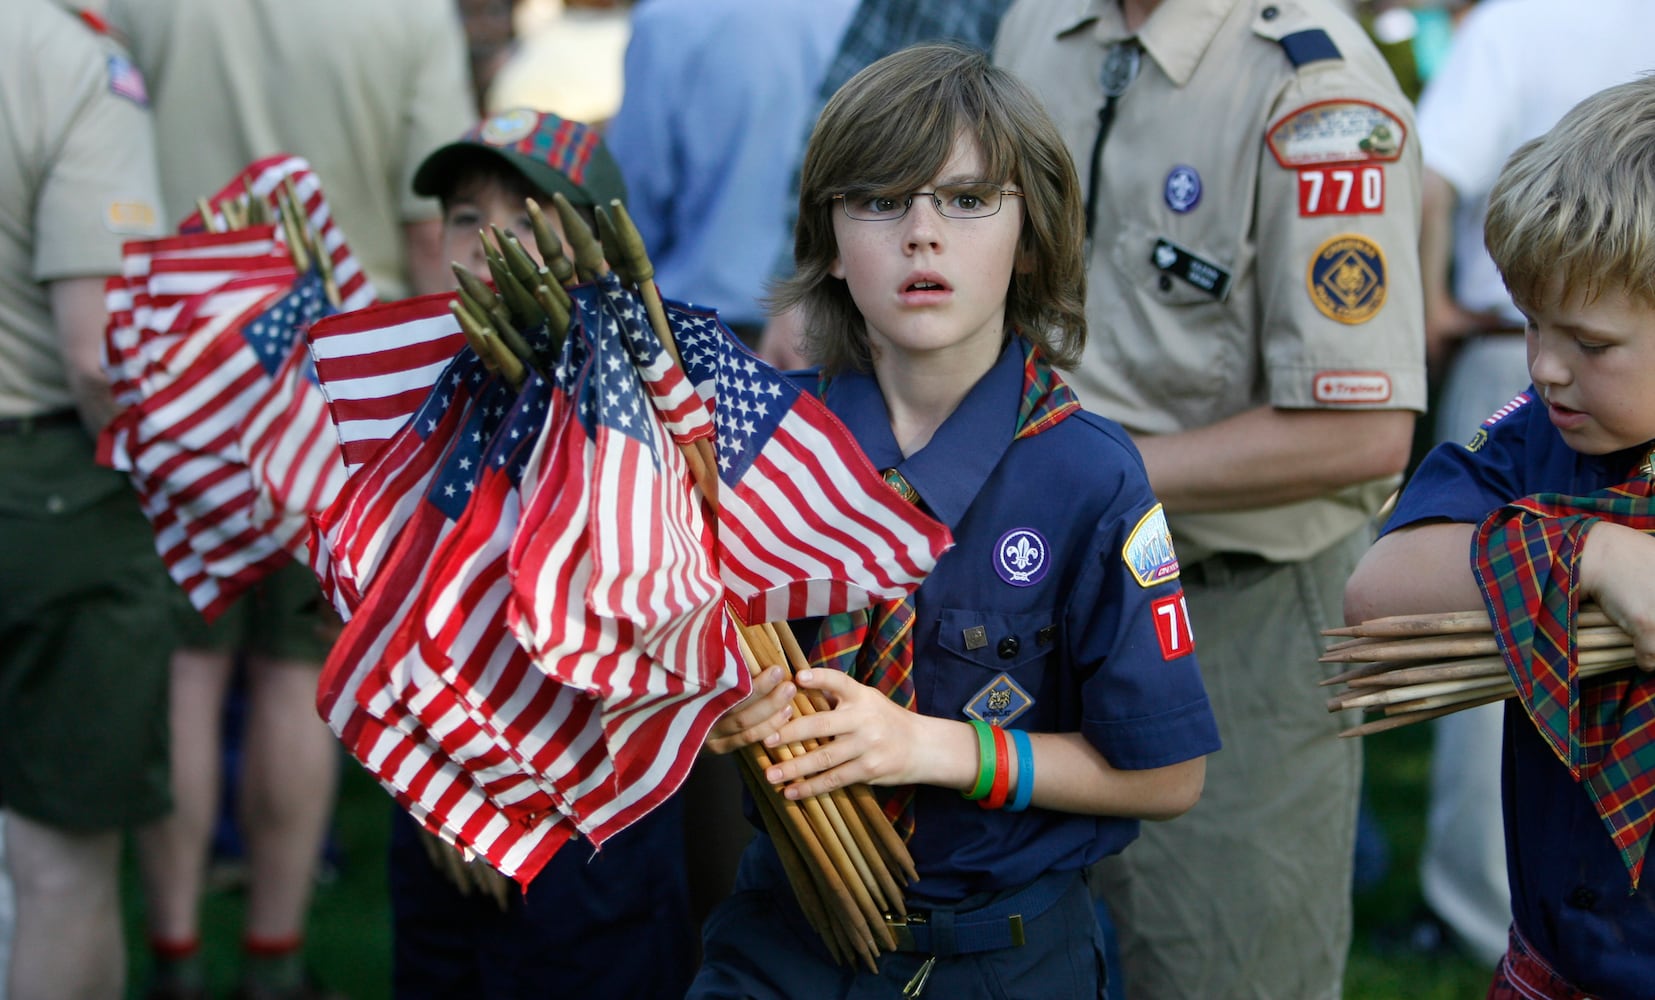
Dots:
(891, 128)
(1578, 203)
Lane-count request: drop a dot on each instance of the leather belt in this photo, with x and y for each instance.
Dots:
(39, 422)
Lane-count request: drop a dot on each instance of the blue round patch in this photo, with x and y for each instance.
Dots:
(1183, 188)
(1020, 557)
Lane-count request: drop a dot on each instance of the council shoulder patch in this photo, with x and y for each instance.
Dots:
(1336, 132)
(1346, 278)
(1148, 552)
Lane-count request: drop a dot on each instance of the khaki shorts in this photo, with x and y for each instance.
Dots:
(84, 639)
(280, 617)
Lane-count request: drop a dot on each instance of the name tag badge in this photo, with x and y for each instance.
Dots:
(1198, 271)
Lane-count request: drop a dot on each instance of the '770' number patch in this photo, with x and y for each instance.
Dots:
(1347, 190)
(1172, 625)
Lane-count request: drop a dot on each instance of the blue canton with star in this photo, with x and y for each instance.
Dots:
(271, 334)
(616, 392)
(488, 400)
(752, 398)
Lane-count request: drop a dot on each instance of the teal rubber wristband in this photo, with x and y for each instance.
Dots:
(1025, 771)
(986, 759)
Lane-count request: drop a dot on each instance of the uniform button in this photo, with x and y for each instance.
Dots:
(1044, 636)
(1164, 283)
(1583, 899)
(1268, 13)
(54, 504)
(1008, 647)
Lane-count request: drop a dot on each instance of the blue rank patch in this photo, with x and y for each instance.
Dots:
(1000, 701)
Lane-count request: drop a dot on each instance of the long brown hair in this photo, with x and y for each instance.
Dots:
(890, 128)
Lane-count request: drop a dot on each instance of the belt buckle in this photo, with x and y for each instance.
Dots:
(898, 926)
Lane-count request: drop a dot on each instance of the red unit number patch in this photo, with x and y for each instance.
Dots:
(1172, 626)
(1347, 190)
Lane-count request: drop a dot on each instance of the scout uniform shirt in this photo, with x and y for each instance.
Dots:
(363, 89)
(1256, 230)
(1569, 886)
(1057, 610)
(77, 177)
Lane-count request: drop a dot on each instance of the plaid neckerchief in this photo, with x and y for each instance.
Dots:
(1526, 558)
(875, 645)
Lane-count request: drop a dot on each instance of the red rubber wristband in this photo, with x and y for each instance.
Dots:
(1002, 772)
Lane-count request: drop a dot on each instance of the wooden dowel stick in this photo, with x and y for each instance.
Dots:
(1397, 721)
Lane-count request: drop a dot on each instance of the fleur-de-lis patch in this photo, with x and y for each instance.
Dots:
(1020, 557)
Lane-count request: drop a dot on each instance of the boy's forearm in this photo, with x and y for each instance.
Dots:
(1417, 570)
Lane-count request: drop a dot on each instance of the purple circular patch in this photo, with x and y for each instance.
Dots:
(1020, 557)
(1183, 188)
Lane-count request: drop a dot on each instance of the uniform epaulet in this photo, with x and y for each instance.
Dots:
(1308, 46)
(92, 20)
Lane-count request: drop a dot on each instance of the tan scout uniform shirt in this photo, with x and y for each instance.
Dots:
(77, 178)
(363, 89)
(1296, 186)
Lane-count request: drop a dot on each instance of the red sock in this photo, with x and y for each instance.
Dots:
(272, 947)
(175, 950)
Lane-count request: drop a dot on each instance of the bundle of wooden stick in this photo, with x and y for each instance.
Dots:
(846, 863)
(304, 244)
(1416, 667)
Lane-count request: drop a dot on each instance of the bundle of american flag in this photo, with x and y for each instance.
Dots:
(570, 509)
(223, 431)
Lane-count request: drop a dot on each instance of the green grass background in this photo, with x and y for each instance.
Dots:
(349, 936)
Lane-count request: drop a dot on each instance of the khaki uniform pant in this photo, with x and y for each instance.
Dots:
(1247, 896)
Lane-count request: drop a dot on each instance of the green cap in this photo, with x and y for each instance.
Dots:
(555, 154)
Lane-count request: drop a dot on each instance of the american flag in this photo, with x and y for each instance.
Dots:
(266, 177)
(287, 438)
(166, 290)
(409, 682)
(356, 531)
(377, 365)
(805, 525)
(181, 445)
(442, 795)
(614, 585)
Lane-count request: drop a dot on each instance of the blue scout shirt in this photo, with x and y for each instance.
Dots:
(1037, 617)
(1569, 887)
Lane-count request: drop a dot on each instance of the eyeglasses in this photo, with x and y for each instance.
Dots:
(976, 200)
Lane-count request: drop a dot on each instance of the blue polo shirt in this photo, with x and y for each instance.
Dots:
(1570, 893)
(1037, 617)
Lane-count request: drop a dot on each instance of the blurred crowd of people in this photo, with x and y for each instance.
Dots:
(1271, 457)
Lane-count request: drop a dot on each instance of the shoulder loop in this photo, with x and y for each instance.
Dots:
(1308, 46)
(92, 20)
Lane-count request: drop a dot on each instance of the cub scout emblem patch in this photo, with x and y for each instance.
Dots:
(1020, 557)
(1000, 701)
(1336, 132)
(1148, 552)
(1183, 188)
(1346, 278)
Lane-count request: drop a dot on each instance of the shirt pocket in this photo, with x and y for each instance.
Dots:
(996, 664)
